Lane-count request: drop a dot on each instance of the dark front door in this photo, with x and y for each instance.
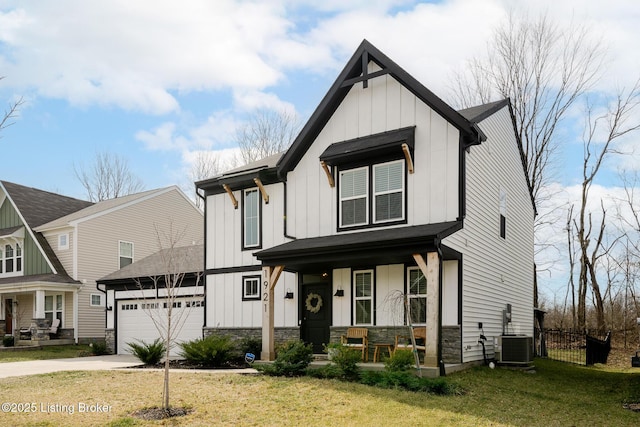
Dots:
(8, 316)
(315, 310)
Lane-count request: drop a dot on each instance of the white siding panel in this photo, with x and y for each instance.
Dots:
(389, 291)
(496, 271)
(342, 305)
(227, 309)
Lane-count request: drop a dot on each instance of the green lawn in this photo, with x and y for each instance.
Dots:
(556, 395)
(43, 353)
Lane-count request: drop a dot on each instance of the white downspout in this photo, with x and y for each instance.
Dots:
(75, 315)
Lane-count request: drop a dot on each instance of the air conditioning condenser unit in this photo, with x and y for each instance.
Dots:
(514, 349)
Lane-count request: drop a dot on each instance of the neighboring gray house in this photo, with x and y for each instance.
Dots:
(59, 246)
(138, 295)
(387, 191)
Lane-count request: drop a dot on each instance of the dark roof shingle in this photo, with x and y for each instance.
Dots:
(38, 207)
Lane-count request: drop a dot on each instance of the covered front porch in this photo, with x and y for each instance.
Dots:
(29, 310)
(417, 246)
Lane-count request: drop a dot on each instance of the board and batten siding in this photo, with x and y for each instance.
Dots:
(224, 228)
(496, 271)
(98, 245)
(432, 191)
(226, 309)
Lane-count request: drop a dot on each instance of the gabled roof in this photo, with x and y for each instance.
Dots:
(38, 207)
(185, 259)
(356, 71)
(480, 112)
(103, 207)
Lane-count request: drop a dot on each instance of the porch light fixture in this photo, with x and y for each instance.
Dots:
(339, 293)
(288, 294)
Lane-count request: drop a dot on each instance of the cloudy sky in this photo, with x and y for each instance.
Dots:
(157, 81)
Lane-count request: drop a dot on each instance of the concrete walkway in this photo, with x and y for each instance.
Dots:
(93, 363)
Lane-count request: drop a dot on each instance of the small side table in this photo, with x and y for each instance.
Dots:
(376, 352)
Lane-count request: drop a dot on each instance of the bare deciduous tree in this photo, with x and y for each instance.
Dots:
(206, 165)
(10, 113)
(108, 177)
(543, 69)
(592, 246)
(268, 132)
(177, 265)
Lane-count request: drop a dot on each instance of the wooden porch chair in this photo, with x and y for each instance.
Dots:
(403, 342)
(357, 339)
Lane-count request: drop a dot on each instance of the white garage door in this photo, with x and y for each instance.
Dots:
(136, 320)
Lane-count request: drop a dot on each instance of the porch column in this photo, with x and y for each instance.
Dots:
(75, 316)
(2, 309)
(39, 304)
(270, 277)
(431, 270)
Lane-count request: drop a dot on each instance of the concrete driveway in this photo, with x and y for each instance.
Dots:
(93, 363)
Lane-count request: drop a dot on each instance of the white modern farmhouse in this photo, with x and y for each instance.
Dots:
(386, 193)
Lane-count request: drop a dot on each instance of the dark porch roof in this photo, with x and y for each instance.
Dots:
(387, 246)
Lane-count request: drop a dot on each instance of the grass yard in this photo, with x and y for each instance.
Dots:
(557, 395)
(43, 353)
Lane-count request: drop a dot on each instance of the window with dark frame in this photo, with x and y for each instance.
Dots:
(503, 213)
(363, 297)
(365, 203)
(251, 220)
(417, 294)
(251, 288)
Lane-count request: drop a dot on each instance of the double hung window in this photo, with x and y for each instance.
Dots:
(381, 201)
(53, 307)
(126, 253)
(417, 293)
(363, 297)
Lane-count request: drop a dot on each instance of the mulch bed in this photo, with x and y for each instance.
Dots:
(157, 413)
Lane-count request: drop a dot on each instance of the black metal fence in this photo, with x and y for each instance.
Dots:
(572, 347)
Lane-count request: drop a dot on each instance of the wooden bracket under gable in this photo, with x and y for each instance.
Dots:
(230, 193)
(328, 172)
(263, 191)
(407, 156)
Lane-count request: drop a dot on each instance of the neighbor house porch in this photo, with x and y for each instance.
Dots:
(28, 311)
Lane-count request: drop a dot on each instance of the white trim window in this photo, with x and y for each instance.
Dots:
(63, 241)
(251, 212)
(363, 297)
(354, 197)
(95, 300)
(251, 287)
(417, 293)
(10, 259)
(388, 191)
(54, 307)
(125, 253)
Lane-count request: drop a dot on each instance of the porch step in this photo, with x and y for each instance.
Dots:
(320, 357)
